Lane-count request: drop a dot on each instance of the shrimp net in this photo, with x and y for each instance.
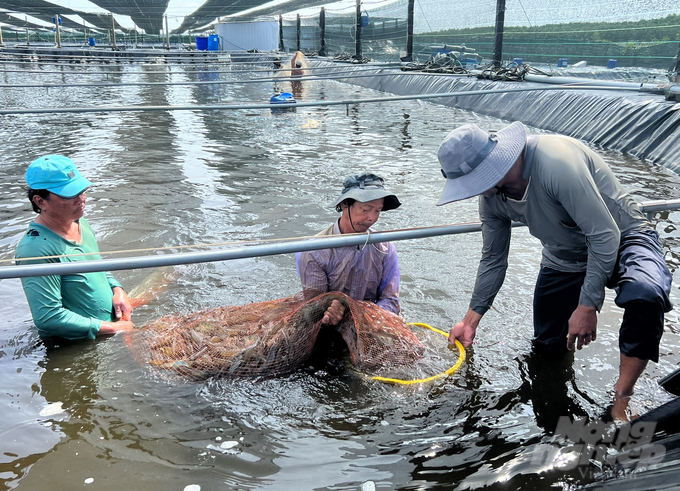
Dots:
(274, 338)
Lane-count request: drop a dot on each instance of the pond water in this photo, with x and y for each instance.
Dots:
(86, 414)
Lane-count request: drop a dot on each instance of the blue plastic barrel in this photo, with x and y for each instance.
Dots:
(562, 62)
(611, 64)
(91, 42)
(213, 42)
(517, 61)
(201, 43)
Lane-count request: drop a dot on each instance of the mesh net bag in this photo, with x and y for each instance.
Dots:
(273, 338)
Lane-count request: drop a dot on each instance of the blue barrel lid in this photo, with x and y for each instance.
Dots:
(283, 98)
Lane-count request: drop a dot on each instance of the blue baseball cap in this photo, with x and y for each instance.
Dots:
(58, 175)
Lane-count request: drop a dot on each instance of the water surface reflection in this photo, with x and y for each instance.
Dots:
(187, 178)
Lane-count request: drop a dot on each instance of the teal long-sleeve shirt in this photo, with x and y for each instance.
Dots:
(68, 306)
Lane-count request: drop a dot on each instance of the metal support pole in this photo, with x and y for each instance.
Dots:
(322, 27)
(85, 33)
(498, 39)
(297, 24)
(2, 43)
(167, 32)
(357, 40)
(28, 41)
(677, 67)
(113, 31)
(281, 46)
(57, 31)
(136, 37)
(409, 31)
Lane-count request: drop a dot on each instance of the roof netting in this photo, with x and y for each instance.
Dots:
(147, 14)
(45, 11)
(212, 9)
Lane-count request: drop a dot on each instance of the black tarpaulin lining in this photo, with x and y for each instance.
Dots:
(640, 124)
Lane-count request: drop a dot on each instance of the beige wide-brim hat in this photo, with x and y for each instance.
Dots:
(474, 161)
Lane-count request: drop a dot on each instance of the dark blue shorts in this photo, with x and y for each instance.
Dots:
(642, 283)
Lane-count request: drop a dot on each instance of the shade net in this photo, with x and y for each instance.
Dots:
(277, 337)
(556, 34)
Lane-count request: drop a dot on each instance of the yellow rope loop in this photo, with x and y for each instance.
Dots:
(461, 359)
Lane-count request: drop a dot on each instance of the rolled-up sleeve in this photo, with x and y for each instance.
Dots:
(496, 232)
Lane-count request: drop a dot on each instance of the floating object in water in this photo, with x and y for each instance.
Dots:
(283, 98)
(311, 124)
(52, 409)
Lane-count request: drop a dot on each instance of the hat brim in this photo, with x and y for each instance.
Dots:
(390, 202)
(511, 142)
(72, 188)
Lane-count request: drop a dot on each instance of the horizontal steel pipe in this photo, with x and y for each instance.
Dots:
(200, 82)
(235, 253)
(188, 69)
(243, 252)
(297, 104)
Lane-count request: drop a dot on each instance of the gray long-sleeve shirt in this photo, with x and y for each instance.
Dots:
(573, 204)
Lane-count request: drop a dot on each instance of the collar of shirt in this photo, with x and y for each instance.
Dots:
(532, 141)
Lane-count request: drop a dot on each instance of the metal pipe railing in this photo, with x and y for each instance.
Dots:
(310, 68)
(363, 68)
(200, 82)
(230, 107)
(316, 243)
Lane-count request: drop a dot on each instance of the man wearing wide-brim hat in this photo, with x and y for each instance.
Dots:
(593, 235)
(77, 306)
(369, 272)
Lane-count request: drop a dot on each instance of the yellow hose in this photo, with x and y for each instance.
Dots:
(461, 359)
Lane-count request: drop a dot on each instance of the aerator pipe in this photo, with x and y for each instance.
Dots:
(200, 70)
(654, 88)
(297, 104)
(331, 242)
(206, 82)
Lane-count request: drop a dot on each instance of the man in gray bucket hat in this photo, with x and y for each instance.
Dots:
(368, 273)
(593, 235)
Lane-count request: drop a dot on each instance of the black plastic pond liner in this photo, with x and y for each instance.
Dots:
(641, 124)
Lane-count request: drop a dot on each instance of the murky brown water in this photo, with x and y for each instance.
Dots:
(182, 178)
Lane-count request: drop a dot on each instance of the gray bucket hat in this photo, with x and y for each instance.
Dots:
(473, 161)
(367, 187)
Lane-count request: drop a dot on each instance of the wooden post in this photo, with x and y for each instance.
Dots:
(322, 27)
(167, 32)
(113, 31)
(409, 32)
(281, 47)
(498, 39)
(357, 41)
(298, 31)
(57, 32)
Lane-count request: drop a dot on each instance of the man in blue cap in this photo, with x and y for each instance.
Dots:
(75, 306)
(363, 273)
